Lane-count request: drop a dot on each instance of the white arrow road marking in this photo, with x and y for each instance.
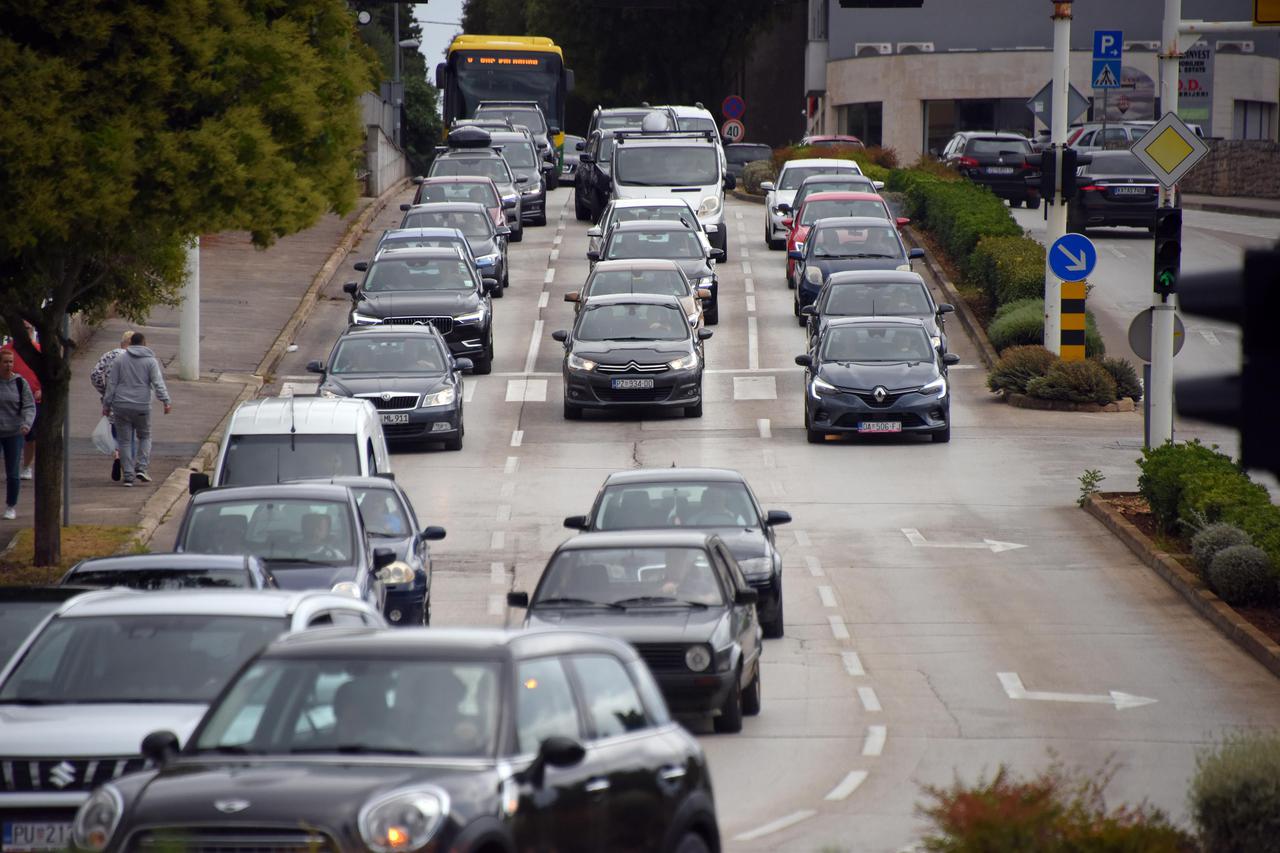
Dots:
(1013, 687)
(916, 538)
(1077, 263)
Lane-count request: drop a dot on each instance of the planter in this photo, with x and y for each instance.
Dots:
(1022, 401)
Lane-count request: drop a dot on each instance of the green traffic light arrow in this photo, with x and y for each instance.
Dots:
(1166, 278)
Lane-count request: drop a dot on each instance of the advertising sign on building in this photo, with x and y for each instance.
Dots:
(1195, 86)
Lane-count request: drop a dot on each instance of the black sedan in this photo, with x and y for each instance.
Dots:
(847, 243)
(880, 293)
(1114, 189)
(172, 571)
(672, 241)
(713, 499)
(22, 608)
(678, 597)
(466, 741)
(876, 375)
(487, 242)
(594, 185)
(407, 373)
(632, 350)
(437, 287)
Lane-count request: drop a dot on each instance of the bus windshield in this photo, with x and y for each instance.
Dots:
(507, 75)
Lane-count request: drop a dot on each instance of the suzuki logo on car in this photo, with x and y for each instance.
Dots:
(880, 393)
(230, 806)
(62, 775)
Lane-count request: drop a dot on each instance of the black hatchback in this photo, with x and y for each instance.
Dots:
(1002, 162)
(1114, 189)
(467, 741)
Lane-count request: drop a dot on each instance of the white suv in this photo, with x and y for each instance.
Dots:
(784, 191)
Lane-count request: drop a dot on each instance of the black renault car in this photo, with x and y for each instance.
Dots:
(846, 243)
(1114, 189)
(678, 596)
(876, 375)
(878, 293)
(632, 350)
(407, 373)
(716, 500)
(670, 240)
(443, 740)
(437, 287)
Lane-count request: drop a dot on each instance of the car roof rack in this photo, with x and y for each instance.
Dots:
(621, 135)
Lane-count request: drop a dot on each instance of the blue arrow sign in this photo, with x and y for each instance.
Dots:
(1108, 44)
(1072, 257)
(1106, 74)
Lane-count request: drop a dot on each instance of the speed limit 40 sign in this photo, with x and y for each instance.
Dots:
(732, 130)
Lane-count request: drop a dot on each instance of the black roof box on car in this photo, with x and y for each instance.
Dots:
(469, 136)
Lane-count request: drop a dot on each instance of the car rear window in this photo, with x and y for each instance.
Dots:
(793, 177)
(747, 153)
(1118, 163)
(986, 145)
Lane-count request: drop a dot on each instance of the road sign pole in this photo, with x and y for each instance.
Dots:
(1056, 213)
(1164, 306)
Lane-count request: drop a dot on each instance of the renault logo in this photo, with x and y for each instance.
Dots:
(62, 774)
(880, 393)
(230, 806)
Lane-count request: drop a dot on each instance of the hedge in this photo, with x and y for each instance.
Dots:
(1007, 268)
(957, 213)
(755, 172)
(1021, 323)
(874, 162)
(1075, 382)
(1167, 468)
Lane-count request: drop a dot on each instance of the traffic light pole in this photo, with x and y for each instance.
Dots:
(1055, 207)
(1164, 304)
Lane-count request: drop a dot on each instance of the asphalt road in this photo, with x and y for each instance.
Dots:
(889, 675)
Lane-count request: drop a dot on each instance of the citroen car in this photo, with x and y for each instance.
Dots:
(473, 741)
(846, 243)
(666, 240)
(876, 375)
(664, 278)
(878, 293)
(781, 193)
(486, 243)
(632, 350)
(439, 287)
(407, 373)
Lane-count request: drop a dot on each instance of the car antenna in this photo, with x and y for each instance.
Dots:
(293, 425)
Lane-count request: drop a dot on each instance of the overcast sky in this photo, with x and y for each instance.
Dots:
(436, 36)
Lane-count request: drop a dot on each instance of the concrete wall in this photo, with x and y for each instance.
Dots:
(1237, 168)
(1241, 77)
(386, 162)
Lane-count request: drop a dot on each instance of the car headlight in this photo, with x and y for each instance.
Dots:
(396, 573)
(443, 397)
(685, 362)
(404, 820)
(710, 206)
(936, 340)
(364, 319)
(487, 260)
(819, 386)
(756, 565)
(578, 363)
(697, 658)
(347, 588)
(472, 317)
(97, 819)
(813, 275)
(937, 386)
(533, 191)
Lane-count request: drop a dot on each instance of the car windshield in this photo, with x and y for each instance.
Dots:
(476, 193)
(649, 505)
(1117, 163)
(815, 210)
(474, 224)
(347, 706)
(494, 168)
(188, 658)
(161, 578)
(655, 213)
(877, 343)
(18, 619)
(527, 116)
(997, 146)
(419, 274)
(519, 155)
(845, 184)
(652, 166)
(793, 176)
(621, 120)
(747, 153)
(662, 282)
(412, 354)
(254, 460)
(423, 243)
(856, 241)
(669, 244)
(884, 300)
(381, 512)
(629, 577)
(279, 530)
(632, 322)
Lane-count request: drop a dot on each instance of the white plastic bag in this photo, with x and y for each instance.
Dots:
(102, 437)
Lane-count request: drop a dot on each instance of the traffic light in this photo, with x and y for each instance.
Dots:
(1168, 249)
(1048, 162)
(1249, 401)
(1070, 162)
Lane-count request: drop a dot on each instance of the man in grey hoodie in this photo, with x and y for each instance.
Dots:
(17, 414)
(132, 379)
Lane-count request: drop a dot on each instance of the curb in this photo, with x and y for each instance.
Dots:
(1234, 627)
(1236, 210)
(174, 488)
(977, 334)
(1024, 401)
(746, 196)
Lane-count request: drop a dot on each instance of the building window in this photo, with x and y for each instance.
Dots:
(864, 121)
(1254, 120)
(943, 118)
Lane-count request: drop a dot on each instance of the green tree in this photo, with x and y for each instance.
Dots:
(495, 17)
(127, 128)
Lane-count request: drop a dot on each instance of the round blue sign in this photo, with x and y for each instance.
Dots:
(733, 107)
(1072, 257)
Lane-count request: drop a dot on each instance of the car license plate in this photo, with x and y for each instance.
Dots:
(628, 384)
(999, 170)
(1129, 190)
(398, 418)
(880, 426)
(48, 835)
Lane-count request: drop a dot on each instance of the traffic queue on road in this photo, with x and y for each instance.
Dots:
(270, 666)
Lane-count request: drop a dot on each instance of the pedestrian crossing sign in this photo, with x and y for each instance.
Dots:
(1106, 74)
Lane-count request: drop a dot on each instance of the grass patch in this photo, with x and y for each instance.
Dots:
(79, 542)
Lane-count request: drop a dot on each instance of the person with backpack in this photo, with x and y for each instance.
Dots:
(17, 414)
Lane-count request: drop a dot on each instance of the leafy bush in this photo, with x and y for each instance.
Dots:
(755, 172)
(874, 162)
(1021, 323)
(1053, 812)
(1242, 575)
(1125, 375)
(1165, 470)
(1235, 794)
(1008, 268)
(1075, 381)
(1213, 538)
(1229, 495)
(1018, 366)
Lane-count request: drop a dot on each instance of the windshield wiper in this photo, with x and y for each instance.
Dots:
(579, 602)
(354, 749)
(659, 599)
(229, 750)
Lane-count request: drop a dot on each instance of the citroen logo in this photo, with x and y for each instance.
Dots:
(62, 774)
(880, 393)
(230, 806)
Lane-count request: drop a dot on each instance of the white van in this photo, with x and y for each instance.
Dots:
(674, 164)
(277, 439)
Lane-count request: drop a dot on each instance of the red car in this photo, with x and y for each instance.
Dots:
(822, 205)
(471, 188)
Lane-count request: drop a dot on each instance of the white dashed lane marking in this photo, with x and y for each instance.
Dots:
(827, 597)
(497, 540)
(517, 438)
(497, 573)
(513, 463)
(551, 276)
(763, 426)
(543, 298)
(874, 742)
(852, 663)
(815, 566)
(870, 702)
(776, 825)
(839, 630)
(802, 538)
(847, 785)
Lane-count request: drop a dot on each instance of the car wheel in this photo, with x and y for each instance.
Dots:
(694, 411)
(711, 316)
(692, 842)
(775, 627)
(426, 611)
(1033, 203)
(517, 235)
(580, 210)
(730, 719)
(1015, 202)
(943, 435)
(454, 443)
(501, 290)
(572, 412)
(553, 179)
(541, 218)
(506, 279)
(751, 697)
(482, 365)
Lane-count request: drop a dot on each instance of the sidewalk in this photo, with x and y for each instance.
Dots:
(247, 296)
(1267, 207)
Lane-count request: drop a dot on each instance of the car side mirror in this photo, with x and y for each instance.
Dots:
(518, 599)
(432, 534)
(795, 256)
(950, 359)
(783, 208)
(705, 334)
(776, 516)
(160, 747)
(555, 751)
(560, 335)
(717, 255)
(767, 186)
(593, 231)
(522, 179)
(360, 266)
(788, 221)
(809, 311)
(745, 596)
(946, 308)
(903, 221)
(405, 206)
(503, 231)
(576, 522)
(593, 256)
(586, 158)
(491, 285)
(315, 366)
(879, 185)
(197, 481)
(383, 557)
(572, 296)
(804, 360)
(579, 146)
(351, 287)
(730, 182)
(418, 179)
(463, 364)
(915, 253)
(703, 293)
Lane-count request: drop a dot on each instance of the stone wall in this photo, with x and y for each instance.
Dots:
(1244, 168)
(385, 162)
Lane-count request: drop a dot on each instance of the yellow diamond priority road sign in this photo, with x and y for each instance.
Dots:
(1266, 12)
(1169, 149)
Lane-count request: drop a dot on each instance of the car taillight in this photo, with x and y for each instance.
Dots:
(1092, 188)
(967, 163)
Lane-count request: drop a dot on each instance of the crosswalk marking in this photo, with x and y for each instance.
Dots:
(526, 390)
(755, 387)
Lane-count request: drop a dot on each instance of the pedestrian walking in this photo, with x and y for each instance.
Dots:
(98, 378)
(133, 378)
(33, 382)
(17, 414)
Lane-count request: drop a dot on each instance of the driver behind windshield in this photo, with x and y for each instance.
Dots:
(317, 538)
(688, 577)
